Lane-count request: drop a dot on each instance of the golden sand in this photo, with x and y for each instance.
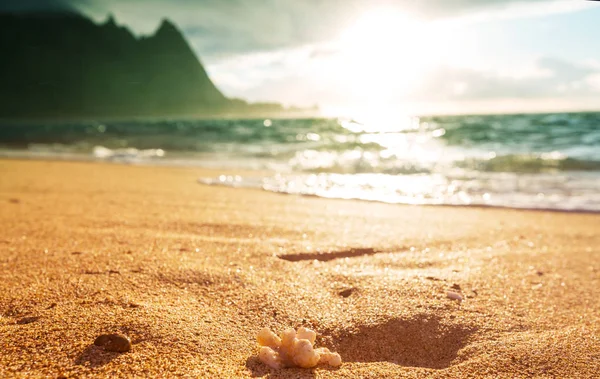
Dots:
(192, 273)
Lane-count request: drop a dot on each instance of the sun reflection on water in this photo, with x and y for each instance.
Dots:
(394, 158)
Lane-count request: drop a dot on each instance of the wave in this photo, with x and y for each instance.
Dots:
(526, 191)
(522, 161)
(345, 157)
(358, 161)
(530, 163)
(126, 154)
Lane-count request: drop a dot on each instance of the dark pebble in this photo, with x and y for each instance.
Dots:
(456, 286)
(27, 320)
(346, 292)
(114, 342)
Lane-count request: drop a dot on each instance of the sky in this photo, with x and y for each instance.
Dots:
(384, 56)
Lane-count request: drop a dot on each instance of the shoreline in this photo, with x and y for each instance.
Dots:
(192, 273)
(236, 171)
(285, 115)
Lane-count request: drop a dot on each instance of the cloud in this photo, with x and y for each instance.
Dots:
(323, 51)
(277, 49)
(565, 71)
(556, 79)
(554, 83)
(36, 5)
(222, 28)
(218, 28)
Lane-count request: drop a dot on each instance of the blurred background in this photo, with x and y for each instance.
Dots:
(439, 102)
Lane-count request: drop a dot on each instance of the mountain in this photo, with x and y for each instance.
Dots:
(63, 65)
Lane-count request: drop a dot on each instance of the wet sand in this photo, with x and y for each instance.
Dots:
(191, 273)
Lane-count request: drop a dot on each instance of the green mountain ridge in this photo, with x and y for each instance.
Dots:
(63, 65)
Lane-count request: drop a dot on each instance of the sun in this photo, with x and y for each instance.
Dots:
(384, 55)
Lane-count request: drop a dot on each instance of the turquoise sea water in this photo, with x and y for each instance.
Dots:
(549, 161)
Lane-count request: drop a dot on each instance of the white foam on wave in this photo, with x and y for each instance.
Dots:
(127, 154)
(535, 191)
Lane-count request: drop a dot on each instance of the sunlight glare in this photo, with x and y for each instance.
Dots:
(385, 56)
(387, 49)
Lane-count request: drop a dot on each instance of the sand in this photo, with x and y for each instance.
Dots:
(191, 273)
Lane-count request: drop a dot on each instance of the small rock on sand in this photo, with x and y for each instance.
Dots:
(114, 342)
(454, 296)
(27, 320)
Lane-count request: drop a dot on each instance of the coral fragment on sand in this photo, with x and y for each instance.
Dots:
(267, 338)
(332, 359)
(269, 357)
(293, 349)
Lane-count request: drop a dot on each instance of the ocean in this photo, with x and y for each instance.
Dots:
(540, 161)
